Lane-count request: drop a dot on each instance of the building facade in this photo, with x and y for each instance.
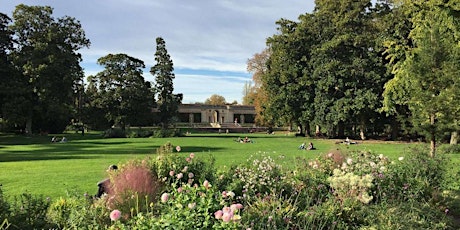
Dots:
(216, 114)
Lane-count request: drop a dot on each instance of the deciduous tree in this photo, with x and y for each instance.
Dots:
(46, 55)
(427, 79)
(215, 99)
(121, 91)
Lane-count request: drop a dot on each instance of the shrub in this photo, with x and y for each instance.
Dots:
(133, 187)
(4, 206)
(449, 149)
(416, 176)
(180, 168)
(114, 133)
(261, 176)
(29, 212)
(139, 133)
(160, 133)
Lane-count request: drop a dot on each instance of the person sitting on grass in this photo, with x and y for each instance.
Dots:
(103, 186)
(302, 146)
(310, 146)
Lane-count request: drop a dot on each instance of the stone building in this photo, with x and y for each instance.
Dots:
(216, 115)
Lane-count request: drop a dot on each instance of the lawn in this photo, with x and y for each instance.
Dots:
(37, 166)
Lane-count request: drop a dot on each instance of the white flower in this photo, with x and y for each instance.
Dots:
(401, 158)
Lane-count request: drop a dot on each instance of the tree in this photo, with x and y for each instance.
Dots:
(47, 59)
(121, 91)
(163, 72)
(287, 82)
(426, 80)
(248, 93)
(347, 66)
(215, 100)
(257, 65)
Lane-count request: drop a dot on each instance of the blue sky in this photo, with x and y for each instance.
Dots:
(209, 41)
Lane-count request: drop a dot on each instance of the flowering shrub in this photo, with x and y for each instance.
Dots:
(261, 176)
(358, 190)
(132, 188)
(347, 185)
(183, 167)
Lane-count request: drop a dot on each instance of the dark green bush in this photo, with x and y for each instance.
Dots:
(114, 133)
(29, 212)
(449, 149)
(139, 133)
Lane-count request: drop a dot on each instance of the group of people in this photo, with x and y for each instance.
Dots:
(56, 139)
(309, 147)
(245, 140)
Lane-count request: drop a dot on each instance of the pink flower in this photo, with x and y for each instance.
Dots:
(180, 175)
(224, 194)
(171, 173)
(180, 189)
(178, 148)
(164, 197)
(206, 184)
(226, 209)
(227, 216)
(115, 215)
(185, 169)
(192, 155)
(188, 159)
(218, 214)
(190, 175)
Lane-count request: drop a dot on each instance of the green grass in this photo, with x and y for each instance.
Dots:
(37, 166)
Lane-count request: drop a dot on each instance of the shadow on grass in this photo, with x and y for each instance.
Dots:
(84, 149)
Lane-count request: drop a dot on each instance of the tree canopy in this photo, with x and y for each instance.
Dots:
(120, 91)
(215, 99)
(46, 56)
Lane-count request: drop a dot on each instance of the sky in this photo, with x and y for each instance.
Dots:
(209, 41)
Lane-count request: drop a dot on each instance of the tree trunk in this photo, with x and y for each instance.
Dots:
(29, 126)
(454, 138)
(433, 137)
(362, 128)
(394, 129)
(307, 129)
(341, 130)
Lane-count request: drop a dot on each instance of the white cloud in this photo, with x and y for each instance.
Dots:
(200, 35)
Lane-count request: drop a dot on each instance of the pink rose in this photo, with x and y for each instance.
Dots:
(115, 215)
(178, 148)
(192, 155)
(171, 173)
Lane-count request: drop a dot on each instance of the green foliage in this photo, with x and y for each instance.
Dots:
(139, 133)
(163, 72)
(29, 212)
(4, 206)
(46, 57)
(259, 177)
(449, 149)
(120, 91)
(161, 133)
(114, 133)
(259, 195)
(78, 212)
